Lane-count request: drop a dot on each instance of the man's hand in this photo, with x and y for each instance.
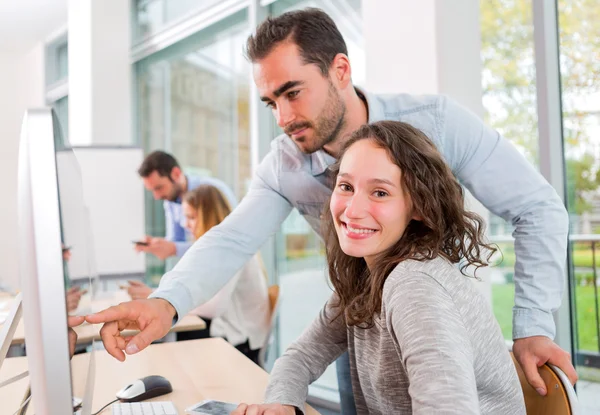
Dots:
(264, 409)
(152, 317)
(533, 352)
(73, 321)
(137, 290)
(159, 247)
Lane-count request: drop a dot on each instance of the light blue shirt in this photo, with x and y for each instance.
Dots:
(175, 219)
(485, 163)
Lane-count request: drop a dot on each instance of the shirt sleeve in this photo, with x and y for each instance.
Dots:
(434, 344)
(216, 257)
(174, 232)
(509, 186)
(307, 358)
(220, 302)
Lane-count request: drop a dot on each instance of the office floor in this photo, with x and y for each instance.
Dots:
(588, 393)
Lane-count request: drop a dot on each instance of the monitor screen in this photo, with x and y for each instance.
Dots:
(45, 249)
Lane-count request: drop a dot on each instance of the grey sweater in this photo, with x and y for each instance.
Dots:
(436, 348)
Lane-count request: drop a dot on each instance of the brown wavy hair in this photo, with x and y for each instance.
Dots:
(445, 228)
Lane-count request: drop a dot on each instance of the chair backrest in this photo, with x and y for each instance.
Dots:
(273, 292)
(560, 398)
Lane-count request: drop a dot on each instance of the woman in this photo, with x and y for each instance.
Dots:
(240, 311)
(420, 337)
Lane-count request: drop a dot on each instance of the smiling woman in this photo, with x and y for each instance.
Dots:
(395, 231)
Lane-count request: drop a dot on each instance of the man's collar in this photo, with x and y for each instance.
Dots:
(374, 105)
(320, 161)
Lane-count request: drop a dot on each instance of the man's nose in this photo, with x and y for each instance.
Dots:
(284, 115)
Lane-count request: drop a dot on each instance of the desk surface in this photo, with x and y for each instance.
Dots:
(197, 370)
(89, 332)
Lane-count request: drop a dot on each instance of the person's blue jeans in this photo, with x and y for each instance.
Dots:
(342, 366)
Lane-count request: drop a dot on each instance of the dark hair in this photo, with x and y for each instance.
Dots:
(158, 161)
(445, 228)
(312, 30)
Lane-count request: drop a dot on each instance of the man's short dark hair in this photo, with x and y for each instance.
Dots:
(312, 30)
(158, 161)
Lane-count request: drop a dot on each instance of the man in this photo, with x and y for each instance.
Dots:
(303, 74)
(162, 176)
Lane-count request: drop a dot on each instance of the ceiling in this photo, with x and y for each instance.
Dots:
(23, 23)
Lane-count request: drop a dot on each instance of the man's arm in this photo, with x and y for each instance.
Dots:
(205, 268)
(509, 186)
(215, 258)
(500, 178)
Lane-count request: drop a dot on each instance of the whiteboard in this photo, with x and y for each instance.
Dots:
(102, 209)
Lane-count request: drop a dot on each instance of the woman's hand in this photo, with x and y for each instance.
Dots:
(264, 409)
(137, 290)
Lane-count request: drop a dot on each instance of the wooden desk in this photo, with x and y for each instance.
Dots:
(86, 333)
(197, 370)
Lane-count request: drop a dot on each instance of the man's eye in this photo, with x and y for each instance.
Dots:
(270, 105)
(293, 94)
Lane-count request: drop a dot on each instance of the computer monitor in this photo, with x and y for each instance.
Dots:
(43, 283)
(9, 322)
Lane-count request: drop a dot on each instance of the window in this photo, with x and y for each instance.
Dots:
(579, 38)
(57, 72)
(509, 99)
(151, 16)
(193, 102)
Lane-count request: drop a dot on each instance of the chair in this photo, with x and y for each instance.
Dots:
(560, 398)
(273, 291)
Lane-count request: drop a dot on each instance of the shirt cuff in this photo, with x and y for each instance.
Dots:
(528, 322)
(181, 248)
(176, 294)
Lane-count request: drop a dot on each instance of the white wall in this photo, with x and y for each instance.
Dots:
(8, 168)
(22, 87)
(99, 72)
(426, 47)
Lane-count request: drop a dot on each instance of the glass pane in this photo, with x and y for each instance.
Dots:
(193, 103)
(153, 15)
(509, 100)
(57, 61)
(300, 260)
(579, 33)
(61, 109)
(62, 61)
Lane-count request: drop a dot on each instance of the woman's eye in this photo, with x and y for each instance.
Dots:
(344, 187)
(380, 193)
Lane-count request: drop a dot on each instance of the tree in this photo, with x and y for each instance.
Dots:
(509, 84)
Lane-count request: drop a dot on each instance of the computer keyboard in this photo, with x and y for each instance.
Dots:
(144, 408)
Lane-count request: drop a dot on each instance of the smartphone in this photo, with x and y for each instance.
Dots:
(142, 243)
(211, 407)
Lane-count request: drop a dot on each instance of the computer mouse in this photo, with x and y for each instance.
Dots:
(145, 388)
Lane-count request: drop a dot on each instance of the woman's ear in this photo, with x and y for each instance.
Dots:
(416, 216)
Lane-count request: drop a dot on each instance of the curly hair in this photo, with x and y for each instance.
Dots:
(445, 228)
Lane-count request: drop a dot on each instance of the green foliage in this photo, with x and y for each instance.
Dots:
(503, 299)
(509, 83)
